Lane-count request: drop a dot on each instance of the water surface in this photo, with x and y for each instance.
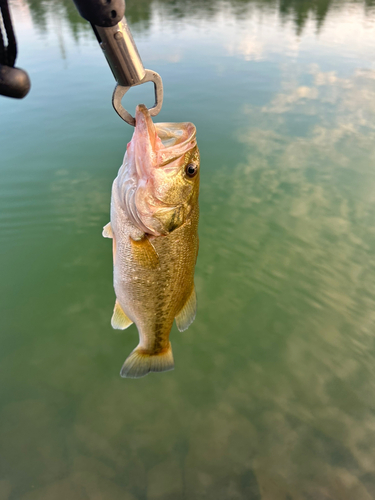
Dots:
(272, 397)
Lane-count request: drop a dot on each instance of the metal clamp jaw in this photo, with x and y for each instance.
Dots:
(124, 60)
(107, 18)
(120, 91)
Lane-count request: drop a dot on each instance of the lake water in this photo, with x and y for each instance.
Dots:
(273, 393)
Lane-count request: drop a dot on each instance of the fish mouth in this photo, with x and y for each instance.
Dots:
(177, 140)
(164, 142)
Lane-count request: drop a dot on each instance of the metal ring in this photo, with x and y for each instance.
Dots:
(120, 91)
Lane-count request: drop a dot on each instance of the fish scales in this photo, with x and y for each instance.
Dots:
(155, 296)
(154, 225)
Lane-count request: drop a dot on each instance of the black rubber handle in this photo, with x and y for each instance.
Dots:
(14, 82)
(102, 13)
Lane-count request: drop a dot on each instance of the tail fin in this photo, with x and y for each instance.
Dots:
(140, 363)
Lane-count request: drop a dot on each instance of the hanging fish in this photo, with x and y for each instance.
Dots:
(154, 226)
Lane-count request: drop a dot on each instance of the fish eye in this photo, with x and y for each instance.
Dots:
(191, 169)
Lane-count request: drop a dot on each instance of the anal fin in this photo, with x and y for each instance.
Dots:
(187, 314)
(107, 231)
(119, 320)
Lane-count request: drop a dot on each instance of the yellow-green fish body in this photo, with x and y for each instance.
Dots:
(154, 225)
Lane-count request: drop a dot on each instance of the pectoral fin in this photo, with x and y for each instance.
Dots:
(119, 319)
(144, 253)
(107, 231)
(187, 314)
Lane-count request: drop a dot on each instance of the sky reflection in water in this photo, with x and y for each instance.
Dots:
(272, 397)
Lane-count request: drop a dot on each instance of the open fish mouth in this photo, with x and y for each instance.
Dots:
(164, 142)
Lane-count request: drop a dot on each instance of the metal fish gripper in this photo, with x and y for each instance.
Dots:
(125, 62)
(107, 19)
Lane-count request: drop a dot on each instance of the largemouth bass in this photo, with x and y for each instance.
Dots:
(154, 226)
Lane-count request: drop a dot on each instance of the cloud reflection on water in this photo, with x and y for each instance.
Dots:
(307, 225)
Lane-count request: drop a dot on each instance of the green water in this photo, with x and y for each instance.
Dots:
(273, 394)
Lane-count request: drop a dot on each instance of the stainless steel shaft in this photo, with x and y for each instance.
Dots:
(121, 53)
